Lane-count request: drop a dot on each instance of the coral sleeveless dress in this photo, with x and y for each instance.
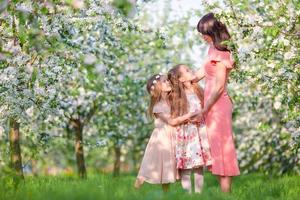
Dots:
(219, 118)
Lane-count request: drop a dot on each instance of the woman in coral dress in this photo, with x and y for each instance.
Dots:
(217, 104)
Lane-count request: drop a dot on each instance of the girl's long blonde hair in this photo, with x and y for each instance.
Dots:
(178, 99)
(154, 91)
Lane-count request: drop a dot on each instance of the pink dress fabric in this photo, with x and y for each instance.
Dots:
(159, 165)
(219, 118)
(192, 146)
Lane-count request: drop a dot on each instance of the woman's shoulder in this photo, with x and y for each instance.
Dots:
(216, 52)
(225, 57)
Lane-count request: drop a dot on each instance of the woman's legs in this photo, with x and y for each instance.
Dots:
(198, 176)
(165, 187)
(186, 179)
(225, 183)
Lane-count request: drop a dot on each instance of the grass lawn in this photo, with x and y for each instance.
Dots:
(104, 186)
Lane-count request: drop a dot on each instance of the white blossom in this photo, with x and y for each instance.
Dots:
(90, 59)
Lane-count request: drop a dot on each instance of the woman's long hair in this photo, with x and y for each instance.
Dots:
(178, 99)
(210, 25)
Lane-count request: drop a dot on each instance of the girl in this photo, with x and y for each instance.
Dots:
(158, 165)
(217, 103)
(192, 149)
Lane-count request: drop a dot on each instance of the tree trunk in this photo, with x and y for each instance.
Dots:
(15, 149)
(135, 159)
(78, 126)
(117, 163)
(34, 167)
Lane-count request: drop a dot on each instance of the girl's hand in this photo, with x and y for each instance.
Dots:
(198, 118)
(193, 114)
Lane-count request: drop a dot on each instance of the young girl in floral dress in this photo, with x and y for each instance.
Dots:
(158, 165)
(192, 147)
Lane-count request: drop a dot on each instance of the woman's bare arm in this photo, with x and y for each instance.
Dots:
(200, 74)
(220, 81)
(217, 90)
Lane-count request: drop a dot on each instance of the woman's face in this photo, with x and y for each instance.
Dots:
(165, 84)
(186, 74)
(206, 38)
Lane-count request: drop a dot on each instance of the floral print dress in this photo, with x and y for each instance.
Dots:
(192, 147)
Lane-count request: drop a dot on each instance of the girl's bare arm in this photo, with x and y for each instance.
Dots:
(175, 121)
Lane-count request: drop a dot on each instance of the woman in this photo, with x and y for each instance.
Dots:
(217, 104)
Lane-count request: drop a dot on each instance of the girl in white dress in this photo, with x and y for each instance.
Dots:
(192, 147)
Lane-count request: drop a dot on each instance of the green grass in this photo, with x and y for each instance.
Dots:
(245, 187)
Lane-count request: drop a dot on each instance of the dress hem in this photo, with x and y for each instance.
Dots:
(196, 166)
(143, 179)
(222, 174)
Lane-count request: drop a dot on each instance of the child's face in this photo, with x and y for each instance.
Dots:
(165, 85)
(186, 74)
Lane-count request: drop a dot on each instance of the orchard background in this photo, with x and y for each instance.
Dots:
(72, 85)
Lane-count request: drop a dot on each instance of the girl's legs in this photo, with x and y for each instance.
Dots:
(138, 183)
(186, 179)
(198, 176)
(165, 187)
(225, 183)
